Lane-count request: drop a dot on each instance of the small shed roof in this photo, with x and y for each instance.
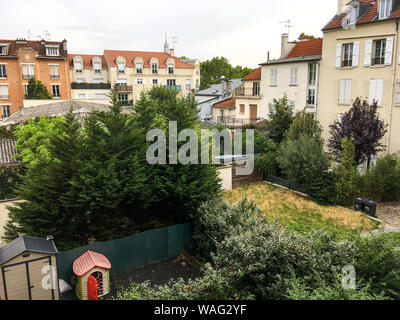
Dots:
(26, 244)
(7, 152)
(88, 261)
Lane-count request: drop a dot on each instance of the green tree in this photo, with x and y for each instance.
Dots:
(306, 36)
(303, 159)
(346, 175)
(305, 123)
(37, 90)
(281, 118)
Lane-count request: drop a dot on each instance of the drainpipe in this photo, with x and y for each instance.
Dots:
(395, 61)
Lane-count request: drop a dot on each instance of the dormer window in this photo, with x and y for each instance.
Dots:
(53, 51)
(154, 68)
(121, 67)
(78, 66)
(354, 12)
(385, 8)
(3, 50)
(97, 67)
(139, 68)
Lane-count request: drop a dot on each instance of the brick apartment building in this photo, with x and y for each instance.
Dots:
(21, 60)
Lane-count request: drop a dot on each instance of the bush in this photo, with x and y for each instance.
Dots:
(322, 189)
(346, 175)
(302, 159)
(9, 180)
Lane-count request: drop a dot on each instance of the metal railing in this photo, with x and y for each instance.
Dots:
(92, 86)
(236, 122)
(174, 88)
(347, 63)
(123, 88)
(54, 77)
(4, 97)
(28, 76)
(379, 60)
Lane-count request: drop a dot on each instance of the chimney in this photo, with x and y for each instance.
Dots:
(172, 52)
(64, 42)
(342, 4)
(268, 54)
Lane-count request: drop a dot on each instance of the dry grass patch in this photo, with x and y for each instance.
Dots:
(298, 212)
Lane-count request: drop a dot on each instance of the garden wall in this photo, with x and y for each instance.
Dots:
(132, 252)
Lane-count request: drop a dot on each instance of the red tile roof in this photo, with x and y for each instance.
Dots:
(255, 75)
(88, 261)
(87, 60)
(369, 16)
(307, 48)
(112, 55)
(228, 104)
(38, 46)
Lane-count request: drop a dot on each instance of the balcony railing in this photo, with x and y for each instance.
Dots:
(28, 76)
(4, 97)
(236, 122)
(123, 88)
(126, 103)
(174, 88)
(54, 77)
(90, 86)
(379, 60)
(347, 63)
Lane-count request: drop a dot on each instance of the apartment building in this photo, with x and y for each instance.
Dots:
(295, 74)
(136, 71)
(361, 59)
(21, 60)
(89, 78)
(243, 106)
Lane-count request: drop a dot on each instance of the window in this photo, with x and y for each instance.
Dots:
(4, 92)
(82, 96)
(26, 89)
(122, 97)
(188, 85)
(55, 88)
(98, 80)
(385, 8)
(345, 91)
(3, 71)
(154, 68)
(5, 111)
(376, 91)
(97, 67)
(379, 52)
(80, 80)
(171, 82)
(121, 67)
(101, 96)
(28, 71)
(139, 81)
(78, 67)
(347, 55)
(274, 77)
(311, 97)
(3, 50)
(54, 72)
(139, 68)
(52, 51)
(170, 69)
(312, 73)
(293, 75)
(155, 82)
(354, 12)
(242, 109)
(256, 89)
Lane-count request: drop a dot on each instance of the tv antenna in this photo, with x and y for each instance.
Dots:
(174, 41)
(288, 25)
(29, 34)
(47, 34)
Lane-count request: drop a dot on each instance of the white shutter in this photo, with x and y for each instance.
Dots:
(389, 51)
(379, 91)
(356, 53)
(372, 91)
(338, 56)
(347, 94)
(342, 91)
(368, 52)
(397, 99)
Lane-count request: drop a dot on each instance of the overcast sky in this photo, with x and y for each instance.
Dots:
(242, 31)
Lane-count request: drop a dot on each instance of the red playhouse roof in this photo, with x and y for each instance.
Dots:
(88, 261)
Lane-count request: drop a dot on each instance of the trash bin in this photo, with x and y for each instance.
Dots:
(370, 208)
(359, 204)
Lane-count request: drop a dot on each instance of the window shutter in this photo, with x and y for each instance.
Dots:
(379, 91)
(338, 55)
(347, 94)
(342, 91)
(397, 100)
(372, 90)
(356, 53)
(389, 51)
(368, 51)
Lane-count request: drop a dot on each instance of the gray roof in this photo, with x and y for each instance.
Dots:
(217, 89)
(294, 59)
(26, 244)
(57, 109)
(7, 152)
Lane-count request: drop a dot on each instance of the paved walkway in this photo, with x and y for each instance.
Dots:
(389, 213)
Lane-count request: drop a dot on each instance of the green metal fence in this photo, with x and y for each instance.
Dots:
(132, 252)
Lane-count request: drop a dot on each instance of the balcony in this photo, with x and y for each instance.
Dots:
(234, 122)
(124, 88)
(126, 103)
(28, 76)
(378, 61)
(5, 97)
(91, 86)
(54, 77)
(241, 92)
(174, 88)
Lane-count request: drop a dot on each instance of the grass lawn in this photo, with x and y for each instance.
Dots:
(300, 213)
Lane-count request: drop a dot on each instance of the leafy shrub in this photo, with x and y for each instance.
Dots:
(305, 124)
(346, 175)
(322, 188)
(9, 179)
(302, 159)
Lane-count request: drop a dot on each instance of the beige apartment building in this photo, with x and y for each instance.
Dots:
(360, 58)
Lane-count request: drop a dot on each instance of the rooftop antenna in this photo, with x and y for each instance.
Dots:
(288, 25)
(174, 40)
(47, 34)
(29, 34)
